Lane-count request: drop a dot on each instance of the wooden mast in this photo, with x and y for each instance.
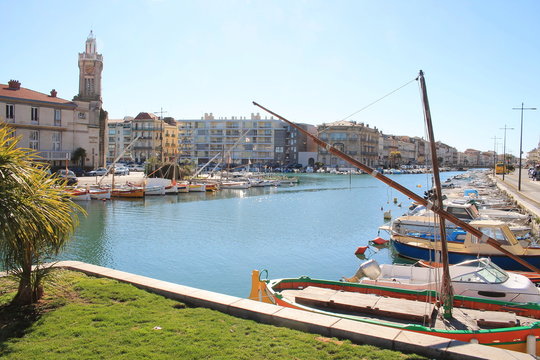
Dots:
(446, 292)
(430, 206)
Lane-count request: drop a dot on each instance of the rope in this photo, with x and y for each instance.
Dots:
(374, 102)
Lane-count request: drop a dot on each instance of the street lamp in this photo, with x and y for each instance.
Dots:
(504, 148)
(520, 142)
(495, 154)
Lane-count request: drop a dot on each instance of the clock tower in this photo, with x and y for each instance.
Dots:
(90, 68)
(90, 111)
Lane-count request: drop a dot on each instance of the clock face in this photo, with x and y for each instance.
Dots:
(89, 69)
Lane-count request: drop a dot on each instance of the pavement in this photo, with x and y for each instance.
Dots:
(529, 195)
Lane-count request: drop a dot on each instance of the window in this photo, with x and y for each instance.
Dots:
(56, 141)
(10, 112)
(57, 117)
(34, 139)
(82, 115)
(279, 149)
(34, 114)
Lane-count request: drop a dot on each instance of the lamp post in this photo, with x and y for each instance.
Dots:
(504, 148)
(520, 142)
(495, 154)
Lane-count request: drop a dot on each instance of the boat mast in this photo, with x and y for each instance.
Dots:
(439, 211)
(446, 292)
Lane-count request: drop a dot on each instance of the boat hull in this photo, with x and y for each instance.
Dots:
(101, 194)
(454, 257)
(128, 193)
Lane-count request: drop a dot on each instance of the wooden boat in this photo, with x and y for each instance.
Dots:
(421, 221)
(235, 185)
(100, 193)
(471, 247)
(128, 192)
(403, 309)
(171, 189)
(197, 187)
(79, 194)
(211, 187)
(182, 188)
(154, 190)
(500, 329)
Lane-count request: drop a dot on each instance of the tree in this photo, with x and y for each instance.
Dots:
(36, 217)
(78, 156)
(395, 158)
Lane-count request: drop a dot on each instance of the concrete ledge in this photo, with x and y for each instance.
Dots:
(326, 325)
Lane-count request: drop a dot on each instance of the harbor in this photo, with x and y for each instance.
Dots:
(214, 239)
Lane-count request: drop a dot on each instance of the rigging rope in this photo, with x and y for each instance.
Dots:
(374, 102)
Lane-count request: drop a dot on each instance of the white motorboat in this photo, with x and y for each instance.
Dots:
(478, 278)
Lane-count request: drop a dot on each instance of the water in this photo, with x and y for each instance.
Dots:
(213, 240)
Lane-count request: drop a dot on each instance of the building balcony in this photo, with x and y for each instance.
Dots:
(51, 155)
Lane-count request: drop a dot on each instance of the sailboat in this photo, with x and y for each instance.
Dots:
(440, 316)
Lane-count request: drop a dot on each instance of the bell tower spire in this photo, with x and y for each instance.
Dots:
(90, 68)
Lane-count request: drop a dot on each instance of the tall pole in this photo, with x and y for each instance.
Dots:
(495, 153)
(504, 148)
(447, 297)
(161, 112)
(520, 142)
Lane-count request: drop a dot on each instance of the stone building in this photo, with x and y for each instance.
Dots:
(356, 140)
(147, 128)
(57, 127)
(446, 154)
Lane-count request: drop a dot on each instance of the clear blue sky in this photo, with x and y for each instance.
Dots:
(311, 61)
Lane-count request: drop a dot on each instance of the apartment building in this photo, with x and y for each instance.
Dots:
(237, 140)
(119, 137)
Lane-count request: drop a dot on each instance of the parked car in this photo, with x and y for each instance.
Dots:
(121, 170)
(67, 175)
(78, 171)
(135, 167)
(97, 172)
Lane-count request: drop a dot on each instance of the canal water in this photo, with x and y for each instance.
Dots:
(214, 240)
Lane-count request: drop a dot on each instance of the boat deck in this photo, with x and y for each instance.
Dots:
(400, 311)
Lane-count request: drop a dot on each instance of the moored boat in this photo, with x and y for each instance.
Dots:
(471, 247)
(100, 193)
(128, 192)
(79, 194)
(235, 185)
(409, 311)
(154, 190)
(479, 278)
(171, 189)
(197, 187)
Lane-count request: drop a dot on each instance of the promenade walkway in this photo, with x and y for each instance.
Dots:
(528, 197)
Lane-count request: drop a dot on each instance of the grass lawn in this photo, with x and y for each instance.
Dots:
(83, 317)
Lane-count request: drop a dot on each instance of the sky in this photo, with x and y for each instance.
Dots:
(313, 61)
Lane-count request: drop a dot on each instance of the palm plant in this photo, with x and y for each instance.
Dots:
(36, 217)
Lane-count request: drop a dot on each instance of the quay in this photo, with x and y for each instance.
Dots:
(529, 196)
(361, 333)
